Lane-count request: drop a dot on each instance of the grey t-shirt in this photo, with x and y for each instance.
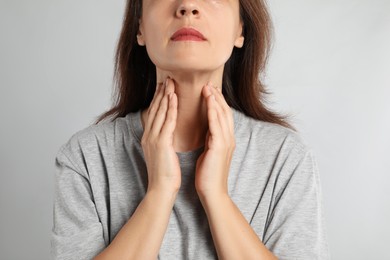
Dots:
(101, 178)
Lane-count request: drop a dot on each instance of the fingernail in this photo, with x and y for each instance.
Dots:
(166, 82)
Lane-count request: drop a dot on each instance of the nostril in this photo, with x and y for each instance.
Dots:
(183, 12)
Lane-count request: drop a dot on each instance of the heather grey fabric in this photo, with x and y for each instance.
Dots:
(274, 180)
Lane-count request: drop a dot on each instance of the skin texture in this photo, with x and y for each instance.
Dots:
(188, 111)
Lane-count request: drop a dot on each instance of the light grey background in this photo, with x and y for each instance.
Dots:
(330, 67)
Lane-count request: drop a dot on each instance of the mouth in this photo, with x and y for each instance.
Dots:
(187, 34)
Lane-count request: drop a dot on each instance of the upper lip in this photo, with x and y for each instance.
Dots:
(187, 31)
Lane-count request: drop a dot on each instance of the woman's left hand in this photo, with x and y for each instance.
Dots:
(212, 167)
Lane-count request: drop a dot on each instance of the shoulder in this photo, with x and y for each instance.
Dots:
(98, 133)
(91, 142)
(268, 135)
(277, 150)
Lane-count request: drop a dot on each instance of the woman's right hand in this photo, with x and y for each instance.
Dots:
(162, 163)
(150, 219)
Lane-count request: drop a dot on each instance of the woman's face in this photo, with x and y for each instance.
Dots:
(217, 20)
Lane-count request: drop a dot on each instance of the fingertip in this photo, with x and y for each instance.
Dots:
(209, 86)
(206, 90)
(173, 99)
(170, 87)
(166, 82)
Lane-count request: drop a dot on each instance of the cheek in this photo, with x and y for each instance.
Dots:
(151, 30)
(156, 51)
(154, 40)
(224, 42)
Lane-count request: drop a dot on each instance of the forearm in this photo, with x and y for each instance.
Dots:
(233, 237)
(142, 235)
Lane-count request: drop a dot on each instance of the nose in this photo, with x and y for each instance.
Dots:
(187, 8)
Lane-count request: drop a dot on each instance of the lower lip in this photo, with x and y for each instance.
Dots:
(188, 38)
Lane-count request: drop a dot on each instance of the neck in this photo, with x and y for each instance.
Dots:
(192, 123)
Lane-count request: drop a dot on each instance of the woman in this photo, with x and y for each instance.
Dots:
(193, 165)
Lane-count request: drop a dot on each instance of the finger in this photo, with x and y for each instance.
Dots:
(226, 110)
(206, 91)
(170, 86)
(206, 146)
(222, 116)
(161, 114)
(218, 96)
(153, 107)
(212, 117)
(157, 96)
(223, 119)
(170, 122)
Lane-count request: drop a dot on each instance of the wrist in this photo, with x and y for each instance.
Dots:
(213, 200)
(162, 194)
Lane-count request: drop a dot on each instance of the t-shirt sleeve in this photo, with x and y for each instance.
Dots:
(77, 232)
(296, 228)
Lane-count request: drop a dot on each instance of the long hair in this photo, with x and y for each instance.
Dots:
(242, 86)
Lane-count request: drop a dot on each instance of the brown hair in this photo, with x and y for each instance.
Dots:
(135, 74)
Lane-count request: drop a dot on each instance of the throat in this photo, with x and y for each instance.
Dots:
(191, 127)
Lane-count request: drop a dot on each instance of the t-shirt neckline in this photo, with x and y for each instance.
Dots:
(137, 130)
